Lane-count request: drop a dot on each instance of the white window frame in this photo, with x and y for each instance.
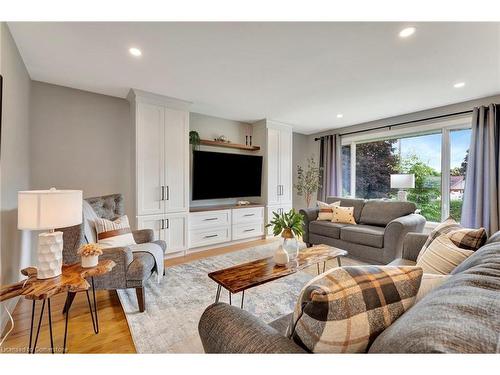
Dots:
(411, 130)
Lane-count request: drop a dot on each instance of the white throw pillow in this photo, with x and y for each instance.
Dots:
(428, 283)
(442, 256)
(114, 233)
(326, 210)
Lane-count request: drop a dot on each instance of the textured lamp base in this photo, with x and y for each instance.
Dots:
(50, 246)
(402, 196)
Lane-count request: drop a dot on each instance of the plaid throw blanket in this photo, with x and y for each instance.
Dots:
(345, 309)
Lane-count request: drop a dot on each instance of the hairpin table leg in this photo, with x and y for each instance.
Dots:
(39, 325)
(242, 298)
(50, 328)
(31, 326)
(93, 312)
(229, 297)
(65, 331)
(217, 295)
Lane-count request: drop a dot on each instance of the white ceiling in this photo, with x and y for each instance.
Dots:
(303, 74)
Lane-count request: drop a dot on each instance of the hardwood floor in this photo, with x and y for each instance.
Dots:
(114, 335)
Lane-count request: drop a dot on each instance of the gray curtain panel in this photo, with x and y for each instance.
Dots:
(329, 161)
(481, 206)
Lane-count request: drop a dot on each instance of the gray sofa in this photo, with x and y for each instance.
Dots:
(462, 315)
(378, 236)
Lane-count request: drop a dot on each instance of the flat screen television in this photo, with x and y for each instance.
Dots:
(221, 175)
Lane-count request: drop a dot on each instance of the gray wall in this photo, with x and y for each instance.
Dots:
(80, 140)
(15, 162)
(301, 152)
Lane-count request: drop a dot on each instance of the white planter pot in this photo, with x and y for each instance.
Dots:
(91, 261)
(281, 257)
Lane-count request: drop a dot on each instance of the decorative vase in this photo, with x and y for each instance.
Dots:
(290, 244)
(281, 256)
(90, 261)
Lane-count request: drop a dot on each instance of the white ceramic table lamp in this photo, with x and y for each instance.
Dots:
(402, 181)
(47, 210)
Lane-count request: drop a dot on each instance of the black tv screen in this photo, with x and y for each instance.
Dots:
(222, 175)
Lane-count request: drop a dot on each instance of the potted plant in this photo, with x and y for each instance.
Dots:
(90, 254)
(288, 225)
(194, 139)
(308, 181)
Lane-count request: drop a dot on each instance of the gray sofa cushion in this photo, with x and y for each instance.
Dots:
(326, 228)
(364, 235)
(377, 212)
(460, 316)
(281, 324)
(402, 262)
(347, 202)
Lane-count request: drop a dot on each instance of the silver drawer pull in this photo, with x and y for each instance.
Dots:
(211, 218)
(248, 230)
(248, 214)
(211, 236)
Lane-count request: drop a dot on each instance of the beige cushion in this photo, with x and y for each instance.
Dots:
(441, 256)
(345, 309)
(114, 233)
(429, 282)
(344, 215)
(326, 210)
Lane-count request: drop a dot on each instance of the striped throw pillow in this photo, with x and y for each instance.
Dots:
(326, 210)
(114, 233)
(345, 309)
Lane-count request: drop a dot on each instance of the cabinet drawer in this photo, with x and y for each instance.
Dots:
(208, 236)
(210, 219)
(242, 231)
(248, 215)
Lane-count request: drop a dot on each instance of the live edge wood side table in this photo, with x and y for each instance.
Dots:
(248, 275)
(71, 281)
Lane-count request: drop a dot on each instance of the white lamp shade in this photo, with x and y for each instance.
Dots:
(49, 209)
(402, 181)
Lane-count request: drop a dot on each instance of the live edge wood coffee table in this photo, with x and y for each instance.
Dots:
(248, 275)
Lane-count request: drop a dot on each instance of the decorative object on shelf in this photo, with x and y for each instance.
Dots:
(90, 254)
(194, 139)
(49, 209)
(208, 142)
(288, 225)
(248, 135)
(402, 181)
(222, 138)
(308, 181)
(243, 203)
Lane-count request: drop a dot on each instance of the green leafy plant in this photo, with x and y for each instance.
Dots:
(308, 181)
(287, 223)
(194, 139)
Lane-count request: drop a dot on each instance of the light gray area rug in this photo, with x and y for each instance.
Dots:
(174, 307)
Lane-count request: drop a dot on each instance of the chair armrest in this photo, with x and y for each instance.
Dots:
(395, 233)
(310, 214)
(143, 235)
(116, 278)
(412, 245)
(229, 329)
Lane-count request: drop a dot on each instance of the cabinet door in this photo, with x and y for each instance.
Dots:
(176, 160)
(153, 222)
(285, 166)
(273, 145)
(149, 158)
(175, 233)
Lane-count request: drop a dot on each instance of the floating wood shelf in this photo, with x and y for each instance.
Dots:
(206, 142)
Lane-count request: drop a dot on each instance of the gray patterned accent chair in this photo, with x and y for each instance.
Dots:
(133, 266)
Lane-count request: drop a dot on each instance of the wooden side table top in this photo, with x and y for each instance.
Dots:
(72, 279)
(248, 275)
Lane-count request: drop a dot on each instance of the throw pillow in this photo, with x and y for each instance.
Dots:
(326, 210)
(470, 239)
(114, 233)
(442, 256)
(446, 226)
(345, 309)
(429, 282)
(344, 215)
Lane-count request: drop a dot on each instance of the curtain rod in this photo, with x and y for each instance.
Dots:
(403, 123)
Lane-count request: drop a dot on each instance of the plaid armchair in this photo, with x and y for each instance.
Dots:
(133, 268)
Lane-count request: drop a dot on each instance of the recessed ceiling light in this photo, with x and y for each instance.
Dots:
(135, 51)
(459, 85)
(340, 115)
(405, 33)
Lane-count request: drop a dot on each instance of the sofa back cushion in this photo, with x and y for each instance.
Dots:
(348, 202)
(460, 316)
(345, 309)
(378, 212)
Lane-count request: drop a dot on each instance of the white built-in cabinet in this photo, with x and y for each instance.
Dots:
(276, 143)
(161, 167)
